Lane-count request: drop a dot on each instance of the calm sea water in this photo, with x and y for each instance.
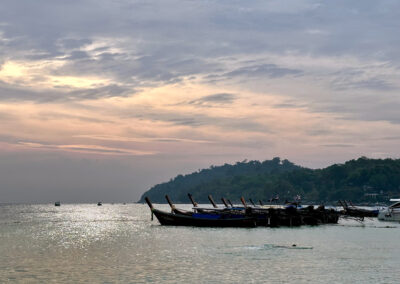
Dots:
(118, 243)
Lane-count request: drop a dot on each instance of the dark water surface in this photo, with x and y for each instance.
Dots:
(118, 243)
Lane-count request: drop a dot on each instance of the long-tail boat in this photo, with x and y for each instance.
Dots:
(354, 211)
(320, 215)
(201, 219)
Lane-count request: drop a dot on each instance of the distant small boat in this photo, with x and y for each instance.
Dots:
(57, 203)
(99, 203)
(392, 213)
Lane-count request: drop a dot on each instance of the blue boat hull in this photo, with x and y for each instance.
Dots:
(171, 219)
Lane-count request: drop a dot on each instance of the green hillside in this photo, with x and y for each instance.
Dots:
(361, 180)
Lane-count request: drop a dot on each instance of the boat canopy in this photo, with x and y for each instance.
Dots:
(395, 205)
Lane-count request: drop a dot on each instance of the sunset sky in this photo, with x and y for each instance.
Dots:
(100, 100)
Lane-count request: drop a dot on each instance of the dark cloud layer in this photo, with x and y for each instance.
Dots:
(200, 31)
(13, 93)
(262, 71)
(150, 43)
(142, 43)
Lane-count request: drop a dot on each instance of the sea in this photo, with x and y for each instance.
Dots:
(119, 243)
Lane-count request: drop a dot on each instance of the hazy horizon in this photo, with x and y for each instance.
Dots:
(101, 100)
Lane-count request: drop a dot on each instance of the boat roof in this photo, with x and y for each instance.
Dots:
(395, 205)
(395, 199)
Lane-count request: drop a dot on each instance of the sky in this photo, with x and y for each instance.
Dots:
(102, 99)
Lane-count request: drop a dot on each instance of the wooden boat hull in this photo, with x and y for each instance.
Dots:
(356, 211)
(202, 220)
(361, 212)
(289, 217)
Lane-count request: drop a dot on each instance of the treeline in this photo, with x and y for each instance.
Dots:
(361, 180)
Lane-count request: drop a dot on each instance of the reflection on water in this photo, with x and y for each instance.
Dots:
(119, 244)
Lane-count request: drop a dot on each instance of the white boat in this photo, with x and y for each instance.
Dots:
(391, 213)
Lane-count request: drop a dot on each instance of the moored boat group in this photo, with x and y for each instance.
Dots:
(244, 216)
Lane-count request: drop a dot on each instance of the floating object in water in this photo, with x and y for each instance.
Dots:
(293, 246)
(57, 203)
(99, 203)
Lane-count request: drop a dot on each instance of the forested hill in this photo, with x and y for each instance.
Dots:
(358, 180)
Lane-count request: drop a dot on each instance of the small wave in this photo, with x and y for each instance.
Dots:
(367, 226)
(274, 246)
(252, 247)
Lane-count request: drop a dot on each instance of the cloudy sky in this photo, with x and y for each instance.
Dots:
(100, 100)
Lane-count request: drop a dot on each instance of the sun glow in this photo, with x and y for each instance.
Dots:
(10, 70)
(39, 74)
(77, 82)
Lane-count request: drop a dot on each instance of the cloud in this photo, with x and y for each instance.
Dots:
(6, 116)
(133, 47)
(197, 120)
(94, 149)
(219, 98)
(353, 105)
(50, 115)
(187, 121)
(144, 139)
(391, 138)
(360, 79)
(260, 70)
(290, 104)
(72, 43)
(319, 132)
(338, 145)
(13, 93)
(212, 100)
(124, 46)
(77, 55)
(102, 92)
